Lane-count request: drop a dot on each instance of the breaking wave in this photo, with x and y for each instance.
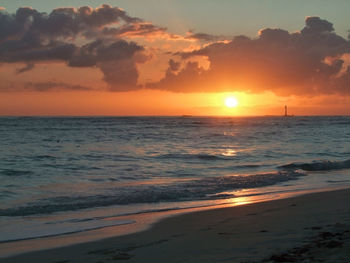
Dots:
(318, 166)
(199, 189)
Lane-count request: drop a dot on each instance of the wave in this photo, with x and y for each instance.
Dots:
(6, 194)
(198, 189)
(318, 166)
(13, 172)
(342, 122)
(43, 157)
(200, 156)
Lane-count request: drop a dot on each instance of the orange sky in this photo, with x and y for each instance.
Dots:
(148, 102)
(129, 66)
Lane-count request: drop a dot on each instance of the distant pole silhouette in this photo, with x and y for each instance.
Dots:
(285, 111)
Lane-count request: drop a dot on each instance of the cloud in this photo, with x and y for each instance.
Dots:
(306, 62)
(117, 61)
(53, 86)
(99, 51)
(83, 37)
(313, 61)
(135, 29)
(44, 86)
(204, 36)
(120, 74)
(28, 67)
(173, 81)
(63, 22)
(173, 65)
(315, 25)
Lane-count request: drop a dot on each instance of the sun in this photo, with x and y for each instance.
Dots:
(231, 102)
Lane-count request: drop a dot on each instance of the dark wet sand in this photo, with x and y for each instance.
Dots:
(309, 228)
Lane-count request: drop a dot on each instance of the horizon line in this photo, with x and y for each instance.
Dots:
(178, 115)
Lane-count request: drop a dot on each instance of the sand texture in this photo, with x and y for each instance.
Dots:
(309, 228)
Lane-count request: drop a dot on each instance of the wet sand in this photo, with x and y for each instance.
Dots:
(308, 228)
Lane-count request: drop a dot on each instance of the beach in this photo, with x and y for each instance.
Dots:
(308, 228)
(174, 131)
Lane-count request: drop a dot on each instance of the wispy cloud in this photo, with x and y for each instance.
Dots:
(27, 67)
(205, 37)
(44, 86)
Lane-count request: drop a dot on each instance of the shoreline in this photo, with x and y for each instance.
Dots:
(213, 234)
(143, 221)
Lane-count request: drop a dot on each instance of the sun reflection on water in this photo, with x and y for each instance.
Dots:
(229, 152)
(241, 200)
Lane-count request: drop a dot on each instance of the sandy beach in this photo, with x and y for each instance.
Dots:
(309, 228)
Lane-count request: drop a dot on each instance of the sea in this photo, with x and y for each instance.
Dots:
(61, 175)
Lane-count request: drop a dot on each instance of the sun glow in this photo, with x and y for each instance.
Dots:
(231, 102)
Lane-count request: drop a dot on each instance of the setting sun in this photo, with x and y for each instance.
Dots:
(231, 102)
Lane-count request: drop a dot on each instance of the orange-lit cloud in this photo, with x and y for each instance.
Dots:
(204, 36)
(279, 61)
(76, 37)
(132, 54)
(100, 38)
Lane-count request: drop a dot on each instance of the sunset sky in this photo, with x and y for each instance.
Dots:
(136, 57)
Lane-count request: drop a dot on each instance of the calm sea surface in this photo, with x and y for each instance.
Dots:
(60, 175)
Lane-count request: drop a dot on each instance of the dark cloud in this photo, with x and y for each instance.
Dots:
(120, 74)
(173, 65)
(27, 67)
(79, 37)
(315, 25)
(100, 51)
(311, 61)
(135, 29)
(103, 16)
(182, 81)
(53, 86)
(61, 22)
(43, 86)
(115, 59)
(204, 36)
(28, 52)
(307, 62)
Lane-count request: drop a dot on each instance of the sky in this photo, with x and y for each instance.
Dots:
(136, 57)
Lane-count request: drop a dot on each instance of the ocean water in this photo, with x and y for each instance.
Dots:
(65, 175)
